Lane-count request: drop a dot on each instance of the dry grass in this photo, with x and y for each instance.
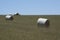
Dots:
(25, 28)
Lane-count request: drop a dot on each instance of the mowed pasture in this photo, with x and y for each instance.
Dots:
(25, 28)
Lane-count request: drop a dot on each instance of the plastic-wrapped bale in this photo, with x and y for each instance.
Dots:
(43, 22)
(9, 17)
(16, 14)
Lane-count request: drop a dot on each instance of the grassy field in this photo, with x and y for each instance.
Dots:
(25, 28)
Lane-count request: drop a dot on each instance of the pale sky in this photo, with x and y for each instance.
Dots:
(30, 7)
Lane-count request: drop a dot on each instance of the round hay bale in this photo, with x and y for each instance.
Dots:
(16, 14)
(9, 17)
(43, 22)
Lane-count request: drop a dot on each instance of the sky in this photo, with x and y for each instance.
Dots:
(30, 7)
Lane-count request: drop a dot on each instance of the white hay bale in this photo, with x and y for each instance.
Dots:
(9, 17)
(16, 14)
(43, 21)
